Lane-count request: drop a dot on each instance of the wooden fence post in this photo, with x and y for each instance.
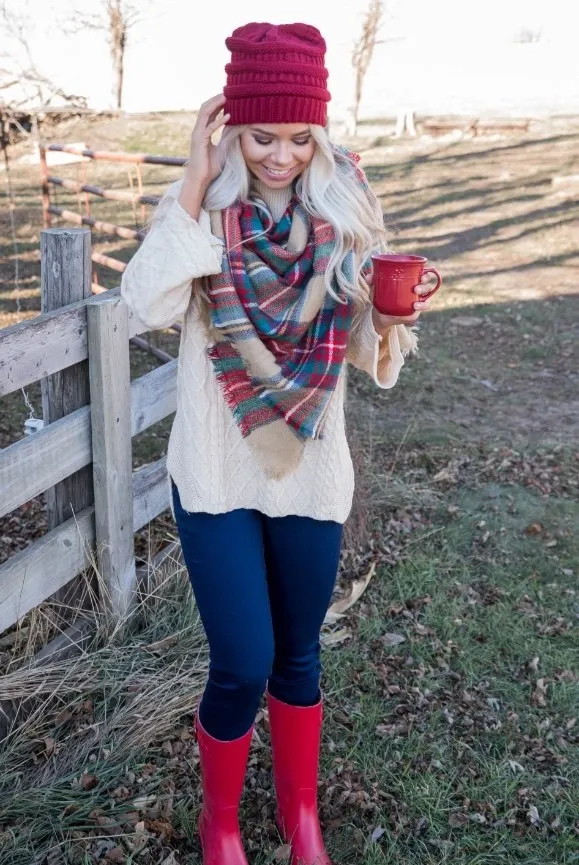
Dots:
(65, 256)
(108, 346)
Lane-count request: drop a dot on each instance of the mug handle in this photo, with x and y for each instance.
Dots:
(436, 287)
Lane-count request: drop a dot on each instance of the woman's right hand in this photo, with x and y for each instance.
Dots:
(203, 163)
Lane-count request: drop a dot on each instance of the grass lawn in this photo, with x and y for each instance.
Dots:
(451, 685)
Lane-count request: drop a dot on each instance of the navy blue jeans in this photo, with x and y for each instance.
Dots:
(263, 586)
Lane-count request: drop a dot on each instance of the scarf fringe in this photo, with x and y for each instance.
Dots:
(227, 381)
(408, 339)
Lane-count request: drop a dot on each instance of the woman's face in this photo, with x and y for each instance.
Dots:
(277, 153)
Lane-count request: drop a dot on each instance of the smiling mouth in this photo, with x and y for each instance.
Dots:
(279, 175)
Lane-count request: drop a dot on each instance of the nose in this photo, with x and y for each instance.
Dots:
(282, 154)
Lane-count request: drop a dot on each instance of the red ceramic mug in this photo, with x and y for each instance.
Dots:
(394, 278)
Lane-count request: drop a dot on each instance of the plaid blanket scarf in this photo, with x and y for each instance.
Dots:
(278, 338)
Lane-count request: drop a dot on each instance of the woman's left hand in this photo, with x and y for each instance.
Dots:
(382, 322)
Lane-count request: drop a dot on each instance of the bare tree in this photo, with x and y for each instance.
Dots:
(121, 17)
(21, 81)
(115, 18)
(364, 51)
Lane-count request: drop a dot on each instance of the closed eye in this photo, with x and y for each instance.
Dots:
(266, 141)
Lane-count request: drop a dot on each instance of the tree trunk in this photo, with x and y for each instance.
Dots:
(118, 26)
(119, 72)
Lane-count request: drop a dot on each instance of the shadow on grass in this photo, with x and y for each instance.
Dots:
(460, 242)
(503, 373)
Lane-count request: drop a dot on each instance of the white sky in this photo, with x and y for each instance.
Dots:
(440, 56)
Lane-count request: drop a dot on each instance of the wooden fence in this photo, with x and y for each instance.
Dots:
(88, 338)
(85, 189)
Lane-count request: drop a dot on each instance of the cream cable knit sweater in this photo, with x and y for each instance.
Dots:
(211, 465)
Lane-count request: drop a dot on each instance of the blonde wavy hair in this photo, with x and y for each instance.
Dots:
(330, 189)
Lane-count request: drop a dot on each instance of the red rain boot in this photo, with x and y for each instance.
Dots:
(295, 742)
(223, 767)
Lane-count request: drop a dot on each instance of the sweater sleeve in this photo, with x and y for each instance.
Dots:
(381, 357)
(156, 283)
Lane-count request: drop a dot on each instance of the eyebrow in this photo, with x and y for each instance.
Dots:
(271, 135)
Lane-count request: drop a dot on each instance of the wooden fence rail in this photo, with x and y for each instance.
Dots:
(96, 329)
(85, 219)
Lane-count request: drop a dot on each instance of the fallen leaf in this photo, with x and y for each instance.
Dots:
(534, 529)
(115, 854)
(393, 639)
(457, 820)
(144, 801)
(467, 320)
(539, 695)
(88, 782)
(357, 589)
(446, 474)
(131, 817)
(533, 815)
(108, 825)
(139, 841)
(488, 384)
(163, 828)
(63, 717)
(162, 645)
(49, 746)
(335, 637)
(475, 817)
(283, 853)
(423, 630)
(399, 729)
(377, 834)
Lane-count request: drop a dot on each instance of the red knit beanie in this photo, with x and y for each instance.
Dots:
(276, 75)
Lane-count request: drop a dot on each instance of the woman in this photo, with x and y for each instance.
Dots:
(263, 248)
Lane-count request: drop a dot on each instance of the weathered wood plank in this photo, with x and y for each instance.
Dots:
(30, 577)
(49, 343)
(65, 278)
(37, 462)
(153, 396)
(33, 575)
(150, 493)
(111, 445)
